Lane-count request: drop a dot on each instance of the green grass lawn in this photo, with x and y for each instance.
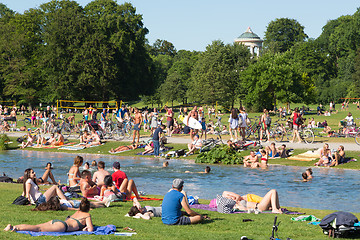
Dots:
(221, 226)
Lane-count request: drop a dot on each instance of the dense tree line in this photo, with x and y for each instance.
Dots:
(100, 52)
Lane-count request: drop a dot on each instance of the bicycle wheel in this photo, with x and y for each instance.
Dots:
(118, 134)
(27, 121)
(128, 130)
(308, 136)
(277, 134)
(357, 138)
(108, 132)
(289, 134)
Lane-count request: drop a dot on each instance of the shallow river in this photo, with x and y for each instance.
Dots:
(333, 189)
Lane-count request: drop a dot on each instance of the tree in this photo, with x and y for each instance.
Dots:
(354, 90)
(163, 47)
(275, 78)
(177, 81)
(215, 76)
(282, 33)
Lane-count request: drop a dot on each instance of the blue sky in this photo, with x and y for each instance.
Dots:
(192, 25)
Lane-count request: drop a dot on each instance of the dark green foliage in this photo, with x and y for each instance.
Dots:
(220, 154)
(4, 139)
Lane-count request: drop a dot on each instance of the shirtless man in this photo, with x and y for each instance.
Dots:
(42, 140)
(252, 160)
(169, 120)
(194, 114)
(137, 127)
(87, 186)
(100, 174)
(59, 139)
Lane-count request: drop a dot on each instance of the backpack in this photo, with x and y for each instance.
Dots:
(339, 224)
(298, 120)
(268, 120)
(21, 200)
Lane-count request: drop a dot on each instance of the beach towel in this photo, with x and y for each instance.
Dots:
(208, 208)
(49, 147)
(306, 156)
(98, 230)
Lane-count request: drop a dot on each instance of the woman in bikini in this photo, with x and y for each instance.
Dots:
(74, 172)
(269, 202)
(123, 148)
(79, 221)
(264, 158)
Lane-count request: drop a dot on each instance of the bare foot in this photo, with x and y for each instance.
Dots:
(8, 228)
(277, 211)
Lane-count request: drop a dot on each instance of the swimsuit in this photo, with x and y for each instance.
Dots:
(63, 222)
(264, 159)
(81, 226)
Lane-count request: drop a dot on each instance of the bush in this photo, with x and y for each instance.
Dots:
(4, 139)
(220, 154)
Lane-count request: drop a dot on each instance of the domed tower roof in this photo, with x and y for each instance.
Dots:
(248, 35)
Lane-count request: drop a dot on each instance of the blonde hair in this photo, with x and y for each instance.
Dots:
(78, 161)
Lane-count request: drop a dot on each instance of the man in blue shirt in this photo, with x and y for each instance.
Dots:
(172, 204)
(156, 139)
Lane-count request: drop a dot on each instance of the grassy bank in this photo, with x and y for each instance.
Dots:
(221, 226)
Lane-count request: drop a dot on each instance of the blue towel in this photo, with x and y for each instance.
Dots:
(101, 230)
(317, 223)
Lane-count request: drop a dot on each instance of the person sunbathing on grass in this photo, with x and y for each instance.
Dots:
(79, 221)
(124, 148)
(56, 204)
(146, 212)
(43, 141)
(60, 140)
(30, 141)
(247, 202)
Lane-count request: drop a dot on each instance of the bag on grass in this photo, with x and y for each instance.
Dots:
(21, 200)
(6, 179)
(224, 205)
(339, 223)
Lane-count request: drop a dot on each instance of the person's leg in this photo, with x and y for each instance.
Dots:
(271, 199)
(134, 134)
(196, 219)
(156, 147)
(43, 227)
(131, 187)
(138, 136)
(54, 191)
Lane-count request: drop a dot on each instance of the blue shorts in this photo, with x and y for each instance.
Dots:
(76, 203)
(137, 127)
(40, 200)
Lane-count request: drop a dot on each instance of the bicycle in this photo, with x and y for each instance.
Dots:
(113, 130)
(306, 135)
(357, 138)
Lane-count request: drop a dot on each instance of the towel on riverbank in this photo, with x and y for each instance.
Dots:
(306, 156)
(49, 146)
(100, 230)
(208, 208)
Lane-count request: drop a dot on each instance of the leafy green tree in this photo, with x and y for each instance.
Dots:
(275, 78)
(215, 76)
(163, 47)
(282, 33)
(177, 81)
(354, 89)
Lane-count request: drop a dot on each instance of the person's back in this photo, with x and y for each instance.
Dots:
(99, 175)
(171, 207)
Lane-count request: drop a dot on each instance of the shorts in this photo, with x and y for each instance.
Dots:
(76, 203)
(295, 127)
(183, 220)
(169, 123)
(137, 127)
(40, 200)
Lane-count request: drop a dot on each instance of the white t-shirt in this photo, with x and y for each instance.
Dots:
(350, 120)
(243, 116)
(34, 191)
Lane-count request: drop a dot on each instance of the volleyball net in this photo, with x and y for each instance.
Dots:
(68, 104)
(7, 103)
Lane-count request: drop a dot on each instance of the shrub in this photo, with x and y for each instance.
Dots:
(220, 154)
(4, 139)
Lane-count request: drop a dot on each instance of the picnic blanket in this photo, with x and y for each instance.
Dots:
(78, 146)
(306, 156)
(208, 208)
(98, 230)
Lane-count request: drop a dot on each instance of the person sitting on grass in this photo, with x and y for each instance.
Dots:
(251, 160)
(124, 185)
(56, 204)
(59, 139)
(272, 151)
(31, 189)
(43, 141)
(124, 148)
(172, 204)
(338, 157)
(247, 202)
(30, 141)
(196, 144)
(95, 139)
(44, 178)
(100, 174)
(88, 188)
(149, 148)
(79, 221)
(74, 172)
(85, 137)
